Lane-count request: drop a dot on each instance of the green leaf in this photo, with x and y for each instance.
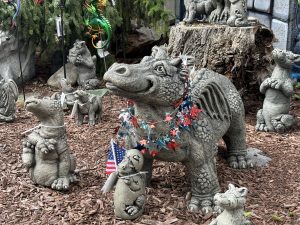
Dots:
(248, 214)
(99, 92)
(277, 218)
(297, 96)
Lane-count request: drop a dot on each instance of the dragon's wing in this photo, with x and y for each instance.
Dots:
(213, 102)
(13, 86)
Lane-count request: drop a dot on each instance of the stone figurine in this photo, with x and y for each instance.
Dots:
(87, 104)
(232, 12)
(278, 90)
(67, 96)
(84, 73)
(46, 153)
(232, 202)
(130, 192)
(155, 84)
(238, 14)
(8, 97)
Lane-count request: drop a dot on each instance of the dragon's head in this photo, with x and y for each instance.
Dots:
(156, 80)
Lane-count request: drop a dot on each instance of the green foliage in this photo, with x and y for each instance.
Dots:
(248, 214)
(275, 217)
(144, 12)
(37, 21)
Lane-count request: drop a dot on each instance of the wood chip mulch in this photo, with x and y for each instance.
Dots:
(274, 191)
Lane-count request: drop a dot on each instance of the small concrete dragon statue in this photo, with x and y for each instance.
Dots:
(8, 97)
(232, 12)
(129, 196)
(278, 89)
(46, 153)
(87, 104)
(232, 202)
(66, 96)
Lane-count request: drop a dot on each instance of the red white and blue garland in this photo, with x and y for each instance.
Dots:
(182, 118)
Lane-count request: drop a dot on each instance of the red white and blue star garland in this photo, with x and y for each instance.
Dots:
(182, 118)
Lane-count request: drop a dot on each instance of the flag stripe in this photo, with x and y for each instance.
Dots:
(115, 156)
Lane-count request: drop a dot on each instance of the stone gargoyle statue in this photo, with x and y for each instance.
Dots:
(8, 97)
(278, 90)
(85, 68)
(155, 85)
(130, 191)
(87, 104)
(46, 153)
(232, 203)
(81, 57)
(232, 12)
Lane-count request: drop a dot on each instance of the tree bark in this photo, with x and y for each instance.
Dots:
(243, 54)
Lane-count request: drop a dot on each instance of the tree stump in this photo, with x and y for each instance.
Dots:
(243, 54)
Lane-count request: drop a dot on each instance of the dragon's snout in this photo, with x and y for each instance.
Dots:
(118, 70)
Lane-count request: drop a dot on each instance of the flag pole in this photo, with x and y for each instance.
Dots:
(62, 6)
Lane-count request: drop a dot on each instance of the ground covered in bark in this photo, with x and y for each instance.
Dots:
(274, 191)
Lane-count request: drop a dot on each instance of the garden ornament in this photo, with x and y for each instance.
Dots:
(46, 153)
(232, 202)
(232, 12)
(200, 110)
(87, 104)
(66, 97)
(278, 90)
(129, 196)
(8, 97)
(81, 57)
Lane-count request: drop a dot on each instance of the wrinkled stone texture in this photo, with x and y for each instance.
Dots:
(232, 202)
(8, 97)
(278, 89)
(46, 153)
(130, 192)
(243, 54)
(232, 12)
(87, 104)
(155, 84)
(9, 58)
(84, 71)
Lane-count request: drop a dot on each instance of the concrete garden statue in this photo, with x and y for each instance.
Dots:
(232, 12)
(87, 104)
(46, 153)
(81, 69)
(8, 97)
(205, 104)
(278, 90)
(66, 96)
(232, 202)
(130, 192)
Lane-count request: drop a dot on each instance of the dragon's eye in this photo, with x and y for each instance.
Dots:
(160, 69)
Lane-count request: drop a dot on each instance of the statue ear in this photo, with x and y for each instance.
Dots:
(231, 187)
(296, 58)
(243, 191)
(176, 62)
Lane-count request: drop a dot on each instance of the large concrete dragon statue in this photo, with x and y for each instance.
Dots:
(155, 84)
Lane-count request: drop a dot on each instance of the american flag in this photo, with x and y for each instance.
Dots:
(115, 156)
